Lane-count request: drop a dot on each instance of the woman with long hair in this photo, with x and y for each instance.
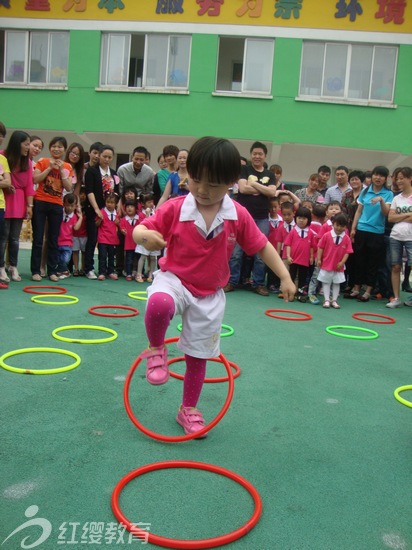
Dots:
(76, 157)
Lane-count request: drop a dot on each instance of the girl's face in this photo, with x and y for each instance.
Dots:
(313, 184)
(308, 204)
(130, 210)
(57, 150)
(82, 198)
(332, 210)
(403, 183)
(129, 195)
(278, 175)
(149, 204)
(181, 159)
(25, 147)
(162, 163)
(339, 229)
(74, 155)
(106, 158)
(379, 181)
(110, 204)
(170, 160)
(36, 147)
(301, 222)
(287, 215)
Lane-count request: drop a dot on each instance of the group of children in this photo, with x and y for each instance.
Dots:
(314, 244)
(113, 221)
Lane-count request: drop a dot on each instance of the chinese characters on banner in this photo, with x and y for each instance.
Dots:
(169, 6)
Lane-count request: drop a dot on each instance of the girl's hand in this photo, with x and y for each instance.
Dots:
(288, 289)
(29, 212)
(289, 260)
(117, 221)
(375, 200)
(339, 266)
(319, 263)
(152, 240)
(123, 231)
(99, 214)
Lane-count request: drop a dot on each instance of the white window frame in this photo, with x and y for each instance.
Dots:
(27, 38)
(346, 99)
(244, 92)
(104, 66)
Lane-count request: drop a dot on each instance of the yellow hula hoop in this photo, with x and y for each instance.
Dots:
(136, 295)
(38, 299)
(39, 371)
(401, 399)
(84, 340)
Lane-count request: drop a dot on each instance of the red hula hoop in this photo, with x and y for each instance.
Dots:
(134, 311)
(207, 380)
(305, 316)
(389, 321)
(177, 438)
(29, 290)
(179, 543)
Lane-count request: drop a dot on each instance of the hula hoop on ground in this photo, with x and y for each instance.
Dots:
(39, 371)
(331, 330)
(93, 311)
(33, 289)
(39, 300)
(177, 438)
(305, 316)
(230, 330)
(56, 334)
(359, 317)
(183, 543)
(402, 399)
(136, 295)
(207, 380)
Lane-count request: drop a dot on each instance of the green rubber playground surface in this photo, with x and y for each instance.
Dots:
(313, 426)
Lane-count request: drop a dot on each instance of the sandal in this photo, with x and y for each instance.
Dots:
(363, 299)
(351, 295)
(335, 304)
(326, 304)
(75, 272)
(14, 274)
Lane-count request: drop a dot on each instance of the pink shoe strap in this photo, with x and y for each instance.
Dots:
(156, 357)
(194, 415)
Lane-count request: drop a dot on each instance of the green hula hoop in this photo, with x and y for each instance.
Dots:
(401, 399)
(39, 371)
(230, 330)
(38, 299)
(136, 295)
(84, 340)
(373, 333)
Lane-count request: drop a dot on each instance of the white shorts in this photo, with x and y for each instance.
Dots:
(331, 276)
(201, 317)
(79, 243)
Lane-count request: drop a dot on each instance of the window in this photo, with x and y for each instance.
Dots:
(145, 61)
(34, 58)
(245, 65)
(356, 72)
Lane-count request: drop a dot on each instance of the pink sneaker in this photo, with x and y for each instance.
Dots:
(113, 276)
(157, 371)
(191, 420)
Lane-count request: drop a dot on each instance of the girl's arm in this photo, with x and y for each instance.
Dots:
(288, 258)
(92, 200)
(274, 261)
(150, 239)
(393, 217)
(342, 262)
(5, 180)
(320, 254)
(311, 255)
(41, 176)
(166, 193)
(358, 214)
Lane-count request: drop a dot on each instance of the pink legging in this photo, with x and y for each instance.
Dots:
(159, 312)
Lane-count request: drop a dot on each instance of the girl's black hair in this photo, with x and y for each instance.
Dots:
(111, 195)
(130, 203)
(341, 219)
(215, 159)
(144, 197)
(79, 165)
(303, 212)
(130, 188)
(380, 171)
(15, 159)
(70, 198)
(56, 139)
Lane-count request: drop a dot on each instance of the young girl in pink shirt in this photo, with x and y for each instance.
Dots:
(127, 224)
(200, 231)
(333, 251)
(107, 237)
(299, 245)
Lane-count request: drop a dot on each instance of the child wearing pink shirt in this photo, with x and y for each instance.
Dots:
(72, 220)
(127, 224)
(299, 246)
(333, 251)
(107, 237)
(200, 231)
(275, 221)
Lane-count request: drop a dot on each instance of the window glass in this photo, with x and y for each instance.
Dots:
(136, 61)
(15, 57)
(360, 72)
(335, 70)
(179, 57)
(312, 69)
(383, 76)
(230, 64)
(59, 47)
(117, 60)
(39, 51)
(258, 65)
(157, 47)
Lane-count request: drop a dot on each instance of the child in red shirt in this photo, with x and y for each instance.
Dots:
(107, 237)
(127, 224)
(72, 220)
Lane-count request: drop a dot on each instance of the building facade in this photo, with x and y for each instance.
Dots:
(318, 81)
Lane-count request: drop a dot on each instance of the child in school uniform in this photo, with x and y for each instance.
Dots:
(107, 237)
(72, 220)
(80, 237)
(333, 251)
(127, 224)
(148, 210)
(200, 230)
(275, 220)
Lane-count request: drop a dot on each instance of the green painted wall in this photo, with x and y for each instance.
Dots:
(83, 109)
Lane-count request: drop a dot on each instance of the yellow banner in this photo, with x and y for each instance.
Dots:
(357, 15)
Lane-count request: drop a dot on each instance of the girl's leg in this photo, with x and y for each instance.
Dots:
(326, 291)
(102, 259)
(152, 267)
(76, 261)
(193, 382)
(43, 265)
(159, 312)
(396, 280)
(140, 266)
(335, 291)
(406, 274)
(38, 223)
(111, 254)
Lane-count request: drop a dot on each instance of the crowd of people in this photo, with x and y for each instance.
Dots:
(75, 206)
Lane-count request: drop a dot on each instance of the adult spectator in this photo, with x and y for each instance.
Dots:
(310, 193)
(324, 175)
(94, 154)
(137, 173)
(170, 153)
(256, 186)
(336, 192)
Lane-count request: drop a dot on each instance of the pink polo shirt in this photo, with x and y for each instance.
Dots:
(66, 230)
(201, 259)
(300, 246)
(107, 230)
(332, 252)
(129, 224)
